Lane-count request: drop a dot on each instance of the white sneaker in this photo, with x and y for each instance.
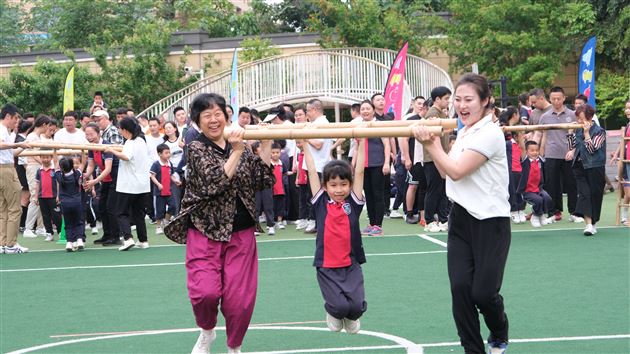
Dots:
(515, 217)
(395, 215)
(70, 247)
(576, 219)
(50, 237)
(15, 249)
(2, 249)
(281, 226)
(133, 227)
(204, 342)
(142, 245)
(271, 231)
(535, 220)
(432, 227)
(333, 323)
(443, 226)
(301, 224)
(351, 326)
(159, 230)
(546, 221)
(29, 233)
(261, 219)
(40, 232)
(236, 350)
(80, 245)
(521, 216)
(310, 227)
(589, 230)
(127, 244)
(94, 230)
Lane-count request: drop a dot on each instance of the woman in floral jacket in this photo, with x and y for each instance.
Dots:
(217, 222)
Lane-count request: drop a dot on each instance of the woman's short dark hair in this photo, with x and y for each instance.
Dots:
(366, 102)
(132, 126)
(337, 168)
(94, 127)
(205, 101)
(587, 109)
(66, 164)
(505, 116)
(479, 83)
(174, 126)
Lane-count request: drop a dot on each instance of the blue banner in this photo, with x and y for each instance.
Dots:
(586, 73)
(234, 87)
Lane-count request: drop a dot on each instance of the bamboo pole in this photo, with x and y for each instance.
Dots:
(445, 123)
(529, 128)
(49, 152)
(54, 145)
(359, 132)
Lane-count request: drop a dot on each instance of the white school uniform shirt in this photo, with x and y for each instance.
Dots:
(483, 193)
(133, 175)
(321, 156)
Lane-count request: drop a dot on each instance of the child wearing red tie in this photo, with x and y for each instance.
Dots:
(47, 200)
(162, 175)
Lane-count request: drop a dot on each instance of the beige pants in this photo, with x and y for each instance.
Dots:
(10, 209)
(33, 212)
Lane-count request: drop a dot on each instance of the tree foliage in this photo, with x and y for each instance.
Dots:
(529, 42)
(11, 38)
(613, 89)
(256, 49)
(613, 33)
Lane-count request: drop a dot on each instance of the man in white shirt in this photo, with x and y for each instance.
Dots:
(181, 118)
(69, 134)
(154, 138)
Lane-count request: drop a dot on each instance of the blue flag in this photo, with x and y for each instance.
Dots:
(234, 87)
(586, 73)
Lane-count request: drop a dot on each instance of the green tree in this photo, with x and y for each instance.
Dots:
(613, 33)
(11, 38)
(256, 49)
(613, 89)
(40, 90)
(529, 42)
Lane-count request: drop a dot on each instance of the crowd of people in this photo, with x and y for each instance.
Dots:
(212, 193)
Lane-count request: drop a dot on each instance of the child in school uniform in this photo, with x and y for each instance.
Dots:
(70, 181)
(279, 195)
(304, 190)
(337, 205)
(162, 176)
(531, 186)
(46, 191)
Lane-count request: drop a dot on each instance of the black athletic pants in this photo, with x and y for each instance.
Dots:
(343, 291)
(130, 209)
(264, 204)
(590, 186)
(305, 201)
(559, 178)
(435, 200)
(477, 253)
(107, 208)
(373, 186)
(47, 207)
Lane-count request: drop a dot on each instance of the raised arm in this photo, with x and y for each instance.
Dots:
(359, 169)
(313, 177)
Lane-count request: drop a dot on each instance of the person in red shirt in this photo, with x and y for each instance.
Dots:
(46, 191)
(530, 186)
(162, 176)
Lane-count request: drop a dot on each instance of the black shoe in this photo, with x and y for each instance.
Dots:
(112, 243)
(99, 240)
(412, 219)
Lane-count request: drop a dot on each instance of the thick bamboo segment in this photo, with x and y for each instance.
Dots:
(53, 145)
(269, 134)
(50, 152)
(529, 128)
(445, 123)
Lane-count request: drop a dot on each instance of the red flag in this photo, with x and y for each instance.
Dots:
(395, 86)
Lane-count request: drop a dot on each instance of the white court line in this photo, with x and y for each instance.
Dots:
(431, 239)
(539, 340)
(182, 263)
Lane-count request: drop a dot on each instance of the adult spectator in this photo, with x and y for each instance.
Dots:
(20, 168)
(559, 176)
(378, 100)
(217, 222)
(144, 123)
(181, 118)
(244, 117)
(541, 106)
(153, 138)
(120, 114)
(109, 131)
(10, 187)
(524, 108)
(587, 150)
(355, 114)
(85, 118)
(33, 163)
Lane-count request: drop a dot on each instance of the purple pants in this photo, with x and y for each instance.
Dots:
(225, 273)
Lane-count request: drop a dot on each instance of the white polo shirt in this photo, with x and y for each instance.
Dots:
(321, 156)
(62, 136)
(6, 155)
(483, 193)
(133, 175)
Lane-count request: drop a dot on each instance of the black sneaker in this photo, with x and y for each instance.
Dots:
(112, 243)
(411, 219)
(99, 240)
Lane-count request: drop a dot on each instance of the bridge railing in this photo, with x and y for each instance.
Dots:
(344, 75)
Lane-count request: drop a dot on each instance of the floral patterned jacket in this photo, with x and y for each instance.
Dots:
(209, 202)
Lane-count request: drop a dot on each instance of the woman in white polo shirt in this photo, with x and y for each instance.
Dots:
(132, 184)
(479, 223)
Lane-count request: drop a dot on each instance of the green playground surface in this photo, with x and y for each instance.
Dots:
(564, 293)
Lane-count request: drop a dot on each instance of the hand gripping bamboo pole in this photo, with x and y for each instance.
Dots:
(330, 133)
(49, 152)
(445, 123)
(54, 145)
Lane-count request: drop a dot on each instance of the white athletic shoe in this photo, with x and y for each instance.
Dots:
(281, 225)
(589, 230)
(70, 247)
(432, 227)
(133, 227)
(29, 233)
(261, 219)
(521, 216)
(301, 224)
(94, 230)
(236, 350)
(80, 245)
(40, 232)
(127, 244)
(443, 226)
(159, 230)
(204, 342)
(546, 221)
(515, 217)
(351, 326)
(142, 245)
(535, 220)
(50, 237)
(333, 323)
(15, 249)
(576, 219)
(395, 215)
(311, 227)
(271, 231)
